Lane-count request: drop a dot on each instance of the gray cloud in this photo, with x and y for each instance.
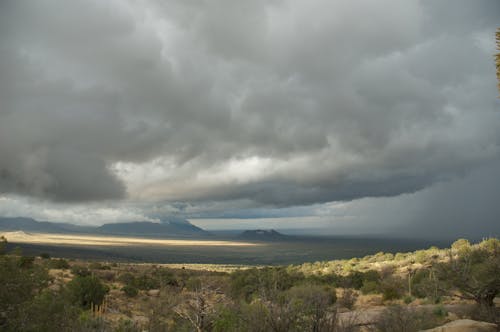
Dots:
(279, 103)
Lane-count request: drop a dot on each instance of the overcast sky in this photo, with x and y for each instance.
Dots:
(356, 116)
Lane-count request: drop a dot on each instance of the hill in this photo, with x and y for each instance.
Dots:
(151, 229)
(263, 235)
(175, 227)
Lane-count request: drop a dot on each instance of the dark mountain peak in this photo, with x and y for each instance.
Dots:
(262, 235)
(151, 228)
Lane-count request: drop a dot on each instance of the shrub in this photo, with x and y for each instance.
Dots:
(44, 255)
(19, 286)
(440, 311)
(474, 272)
(126, 278)
(58, 264)
(86, 290)
(348, 298)
(130, 291)
(370, 287)
(81, 271)
(26, 262)
(399, 318)
(392, 289)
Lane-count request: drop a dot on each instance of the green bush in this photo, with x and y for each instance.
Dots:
(19, 286)
(58, 264)
(440, 311)
(86, 290)
(130, 291)
(370, 287)
(80, 271)
(26, 262)
(392, 289)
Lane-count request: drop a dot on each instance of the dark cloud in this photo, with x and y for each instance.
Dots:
(279, 103)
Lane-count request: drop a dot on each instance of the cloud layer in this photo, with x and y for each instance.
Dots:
(271, 103)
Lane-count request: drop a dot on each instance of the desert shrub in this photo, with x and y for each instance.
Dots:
(193, 283)
(44, 255)
(87, 322)
(165, 277)
(145, 282)
(80, 271)
(370, 287)
(314, 302)
(48, 310)
(127, 325)
(126, 278)
(347, 298)
(461, 246)
(19, 286)
(404, 319)
(3, 244)
(228, 319)
(86, 290)
(392, 288)
(58, 264)
(474, 272)
(26, 262)
(426, 285)
(421, 256)
(244, 284)
(400, 256)
(330, 279)
(130, 291)
(485, 313)
(440, 311)
(105, 275)
(408, 299)
(353, 280)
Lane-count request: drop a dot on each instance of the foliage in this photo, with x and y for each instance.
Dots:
(80, 271)
(86, 290)
(3, 244)
(20, 283)
(264, 282)
(392, 288)
(314, 303)
(474, 271)
(404, 319)
(130, 291)
(348, 298)
(58, 264)
(48, 309)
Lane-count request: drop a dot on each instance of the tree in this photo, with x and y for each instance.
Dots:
(20, 283)
(199, 307)
(475, 272)
(315, 303)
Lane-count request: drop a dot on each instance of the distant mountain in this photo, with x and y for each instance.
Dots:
(32, 225)
(151, 229)
(177, 227)
(263, 235)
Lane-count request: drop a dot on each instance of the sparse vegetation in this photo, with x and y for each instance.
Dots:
(307, 297)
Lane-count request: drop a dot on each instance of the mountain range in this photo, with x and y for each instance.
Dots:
(173, 227)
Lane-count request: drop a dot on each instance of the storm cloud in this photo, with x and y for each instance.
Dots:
(270, 104)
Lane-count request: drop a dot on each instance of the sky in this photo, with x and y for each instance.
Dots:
(347, 117)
